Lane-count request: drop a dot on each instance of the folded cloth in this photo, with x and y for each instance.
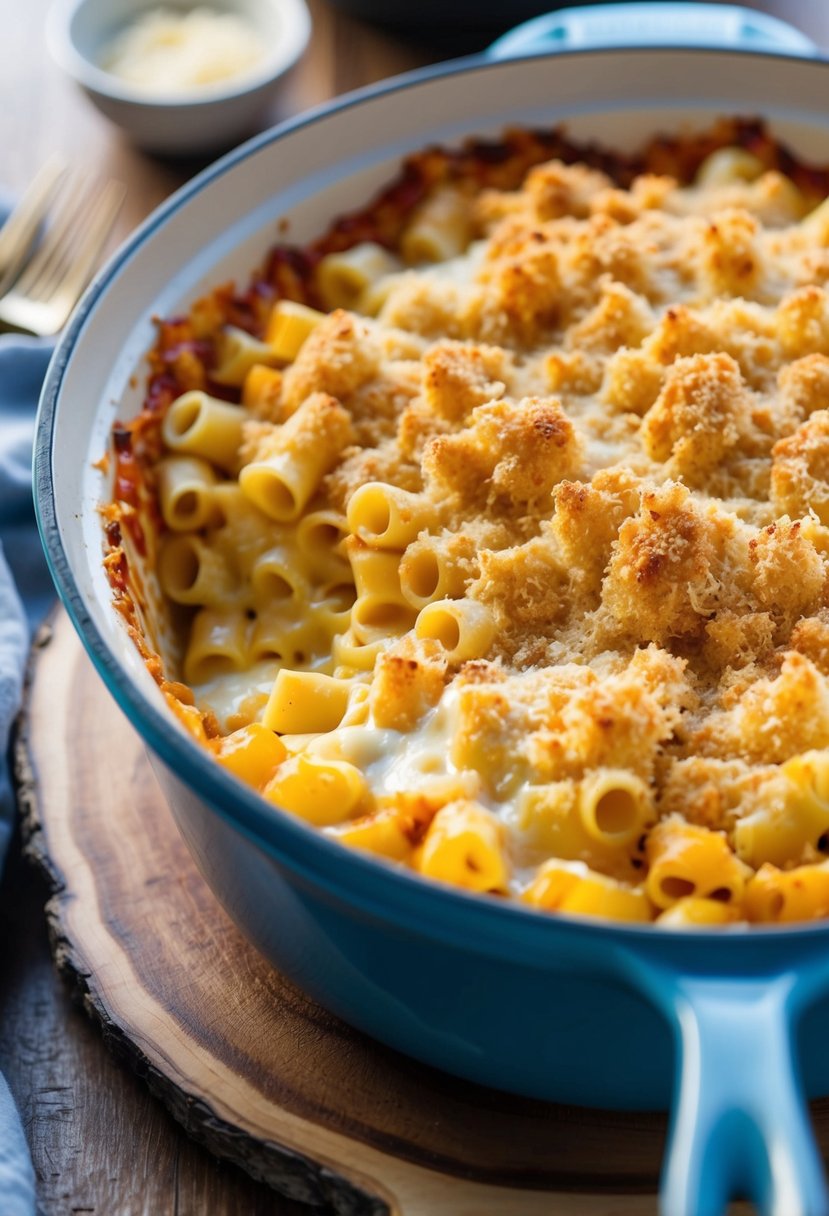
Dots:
(14, 640)
(17, 1180)
(23, 363)
(25, 593)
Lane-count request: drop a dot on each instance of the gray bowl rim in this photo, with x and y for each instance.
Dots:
(380, 889)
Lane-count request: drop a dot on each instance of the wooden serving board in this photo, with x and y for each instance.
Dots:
(251, 1067)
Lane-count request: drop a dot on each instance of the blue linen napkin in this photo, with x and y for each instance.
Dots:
(17, 1179)
(25, 593)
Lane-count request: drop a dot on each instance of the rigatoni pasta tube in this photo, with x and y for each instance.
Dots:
(356, 743)
(440, 228)
(290, 632)
(349, 741)
(375, 572)
(288, 326)
(318, 790)
(464, 628)
(292, 461)
(547, 816)
(218, 645)
(794, 820)
(809, 771)
(319, 536)
(464, 846)
(374, 615)
(816, 224)
(386, 517)
(269, 639)
(614, 806)
(251, 753)
(428, 572)
(321, 531)
(379, 609)
(386, 832)
(275, 576)
(192, 572)
(685, 859)
(333, 610)
(375, 295)
(305, 702)
(185, 492)
(245, 531)
(727, 166)
(343, 277)
(599, 895)
(237, 353)
(782, 896)
(204, 426)
(408, 682)
(261, 391)
(353, 655)
(572, 887)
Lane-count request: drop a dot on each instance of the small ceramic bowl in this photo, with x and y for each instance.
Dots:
(198, 121)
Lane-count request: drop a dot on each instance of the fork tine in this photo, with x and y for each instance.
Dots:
(44, 295)
(70, 208)
(89, 246)
(20, 229)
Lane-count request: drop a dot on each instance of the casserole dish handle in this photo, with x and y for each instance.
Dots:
(712, 26)
(740, 1126)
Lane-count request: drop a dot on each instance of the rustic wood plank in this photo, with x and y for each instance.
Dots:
(100, 1142)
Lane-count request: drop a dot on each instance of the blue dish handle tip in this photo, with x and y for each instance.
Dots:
(740, 1126)
(713, 26)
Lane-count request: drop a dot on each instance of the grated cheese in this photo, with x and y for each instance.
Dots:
(164, 51)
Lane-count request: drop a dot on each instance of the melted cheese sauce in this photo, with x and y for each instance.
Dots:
(238, 696)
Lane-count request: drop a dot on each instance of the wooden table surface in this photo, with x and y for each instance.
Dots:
(101, 1144)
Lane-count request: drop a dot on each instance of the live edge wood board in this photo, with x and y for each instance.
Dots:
(252, 1068)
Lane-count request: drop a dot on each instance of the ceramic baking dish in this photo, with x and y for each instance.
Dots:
(727, 1027)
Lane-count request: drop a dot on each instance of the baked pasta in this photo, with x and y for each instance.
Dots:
(495, 526)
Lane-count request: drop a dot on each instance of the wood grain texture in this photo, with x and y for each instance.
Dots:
(249, 1065)
(100, 1141)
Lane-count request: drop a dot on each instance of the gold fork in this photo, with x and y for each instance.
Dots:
(19, 233)
(41, 299)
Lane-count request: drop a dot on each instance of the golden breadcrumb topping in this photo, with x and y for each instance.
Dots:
(608, 414)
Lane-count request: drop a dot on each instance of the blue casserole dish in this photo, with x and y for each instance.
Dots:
(726, 1028)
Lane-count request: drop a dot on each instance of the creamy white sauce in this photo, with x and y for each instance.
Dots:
(230, 694)
(391, 759)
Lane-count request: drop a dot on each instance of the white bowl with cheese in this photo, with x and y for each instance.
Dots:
(180, 77)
